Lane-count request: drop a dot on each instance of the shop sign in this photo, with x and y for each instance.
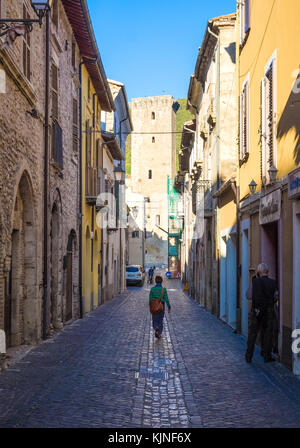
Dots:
(270, 207)
(294, 184)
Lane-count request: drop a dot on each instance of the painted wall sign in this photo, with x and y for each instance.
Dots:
(294, 184)
(270, 207)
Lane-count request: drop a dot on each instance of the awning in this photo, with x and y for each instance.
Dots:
(79, 18)
(113, 145)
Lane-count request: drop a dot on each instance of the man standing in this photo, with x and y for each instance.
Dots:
(150, 273)
(264, 295)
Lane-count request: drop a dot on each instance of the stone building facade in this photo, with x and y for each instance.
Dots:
(119, 124)
(63, 300)
(38, 293)
(21, 183)
(153, 159)
(208, 157)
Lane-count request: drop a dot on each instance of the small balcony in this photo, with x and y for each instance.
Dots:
(92, 184)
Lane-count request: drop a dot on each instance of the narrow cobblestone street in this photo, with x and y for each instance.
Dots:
(108, 370)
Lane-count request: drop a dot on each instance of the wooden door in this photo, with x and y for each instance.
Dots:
(69, 286)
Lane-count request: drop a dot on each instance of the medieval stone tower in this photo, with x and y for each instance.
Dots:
(153, 160)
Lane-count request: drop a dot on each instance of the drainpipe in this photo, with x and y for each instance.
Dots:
(217, 216)
(46, 157)
(80, 192)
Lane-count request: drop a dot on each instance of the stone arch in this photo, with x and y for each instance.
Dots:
(70, 276)
(56, 309)
(21, 281)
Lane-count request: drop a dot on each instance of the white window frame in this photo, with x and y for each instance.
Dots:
(243, 154)
(243, 33)
(265, 151)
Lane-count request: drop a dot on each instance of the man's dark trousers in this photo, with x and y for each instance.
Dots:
(264, 322)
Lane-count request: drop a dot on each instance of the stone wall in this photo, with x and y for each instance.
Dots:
(153, 159)
(22, 182)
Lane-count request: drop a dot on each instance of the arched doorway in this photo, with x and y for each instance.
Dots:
(95, 269)
(69, 266)
(87, 269)
(21, 284)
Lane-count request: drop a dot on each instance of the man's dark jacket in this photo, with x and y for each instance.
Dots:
(263, 292)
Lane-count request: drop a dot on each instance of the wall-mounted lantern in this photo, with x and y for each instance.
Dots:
(252, 187)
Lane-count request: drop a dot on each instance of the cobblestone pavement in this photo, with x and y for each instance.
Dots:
(108, 370)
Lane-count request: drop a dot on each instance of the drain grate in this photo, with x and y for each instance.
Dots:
(152, 374)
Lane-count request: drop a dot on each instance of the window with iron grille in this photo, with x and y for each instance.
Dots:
(57, 145)
(26, 47)
(136, 234)
(244, 122)
(268, 122)
(75, 125)
(54, 91)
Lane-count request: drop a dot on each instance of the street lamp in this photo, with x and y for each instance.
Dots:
(273, 174)
(9, 25)
(252, 187)
(119, 172)
(41, 7)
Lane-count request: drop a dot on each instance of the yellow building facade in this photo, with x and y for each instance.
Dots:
(91, 166)
(269, 153)
(95, 98)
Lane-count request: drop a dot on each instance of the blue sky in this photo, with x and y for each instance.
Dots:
(152, 46)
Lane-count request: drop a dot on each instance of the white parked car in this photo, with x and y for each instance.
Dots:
(135, 275)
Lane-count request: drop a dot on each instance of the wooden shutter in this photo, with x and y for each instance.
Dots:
(261, 128)
(270, 117)
(54, 90)
(88, 143)
(75, 125)
(57, 145)
(244, 122)
(74, 54)
(26, 47)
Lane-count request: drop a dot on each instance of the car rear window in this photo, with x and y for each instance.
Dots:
(132, 269)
